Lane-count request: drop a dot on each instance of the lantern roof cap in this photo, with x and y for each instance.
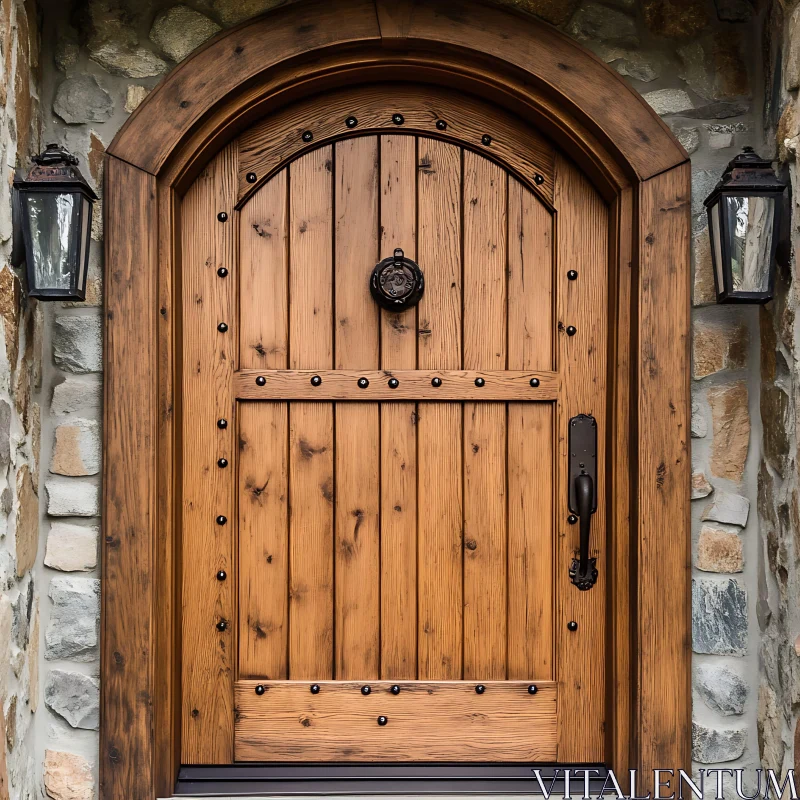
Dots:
(747, 172)
(56, 168)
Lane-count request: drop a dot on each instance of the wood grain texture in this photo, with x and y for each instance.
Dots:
(208, 654)
(413, 385)
(663, 471)
(276, 141)
(128, 761)
(582, 245)
(426, 722)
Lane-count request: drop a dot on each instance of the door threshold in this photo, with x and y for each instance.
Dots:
(323, 780)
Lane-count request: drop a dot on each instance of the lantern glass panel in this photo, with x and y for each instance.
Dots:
(55, 222)
(750, 223)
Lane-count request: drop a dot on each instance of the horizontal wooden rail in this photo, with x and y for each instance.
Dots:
(347, 384)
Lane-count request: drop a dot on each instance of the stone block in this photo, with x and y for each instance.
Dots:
(601, 23)
(700, 486)
(232, 12)
(67, 776)
(81, 99)
(77, 448)
(791, 74)
(71, 548)
(10, 293)
(74, 697)
(72, 632)
(67, 498)
(676, 19)
(699, 426)
(704, 291)
(719, 551)
(134, 97)
(669, 101)
(717, 344)
(727, 508)
(77, 394)
(179, 30)
(720, 141)
(718, 110)
(130, 62)
(78, 343)
(66, 53)
(776, 427)
(722, 689)
(731, 430)
(719, 617)
(689, 138)
(22, 613)
(5, 436)
(33, 661)
(734, 10)
(714, 745)
(6, 621)
(27, 521)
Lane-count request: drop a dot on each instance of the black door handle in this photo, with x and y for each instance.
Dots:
(583, 571)
(582, 494)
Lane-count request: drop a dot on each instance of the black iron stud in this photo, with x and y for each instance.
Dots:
(222, 216)
(395, 689)
(222, 327)
(532, 689)
(365, 690)
(479, 382)
(486, 140)
(314, 688)
(393, 383)
(307, 136)
(538, 179)
(480, 689)
(573, 274)
(222, 625)
(572, 625)
(351, 122)
(441, 124)
(316, 381)
(221, 520)
(571, 330)
(534, 382)
(251, 177)
(363, 383)
(398, 119)
(260, 690)
(572, 519)
(261, 381)
(221, 575)
(222, 463)
(436, 382)
(382, 720)
(222, 424)
(222, 272)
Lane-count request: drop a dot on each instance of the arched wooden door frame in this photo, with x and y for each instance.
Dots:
(641, 171)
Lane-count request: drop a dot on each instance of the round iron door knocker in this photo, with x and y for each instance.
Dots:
(397, 283)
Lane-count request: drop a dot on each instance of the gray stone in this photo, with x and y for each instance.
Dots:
(636, 66)
(22, 610)
(231, 12)
(595, 21)
(72, 498)
(74, 621)
(727, 508)
(74, 697)
(695, 71)
(179, 30)
(722, 689)
(699, 424)
(81, 99)
(77, 394)
(700, 486)
(791, 74)
(689, 138)
(131, 62)
(720, 110)
(734, 10)
(719, 617)
(5, 436)
(78, 343)
(66, 54)
(712, 745)
(669, 101)
(720, 141)
(703, 181)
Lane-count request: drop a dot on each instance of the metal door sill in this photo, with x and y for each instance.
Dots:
(327, 779)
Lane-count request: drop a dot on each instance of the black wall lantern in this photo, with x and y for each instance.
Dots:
(54, 210)
(744, 215)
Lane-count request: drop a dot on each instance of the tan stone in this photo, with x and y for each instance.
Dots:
(676, 19)
(33, 662)
(9, 311)
(71, 548)
(134, 97)
(27, 521)
(77, 448)
(700, 486)
(67, 776)
(4, 787)
(731, 430)
(704, 291)
(717, 345)
(95, 157)
(23, 95)
(719, 551)
(556, 12)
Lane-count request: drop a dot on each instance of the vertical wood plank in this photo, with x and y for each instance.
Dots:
(530, 440)
(398, 186)
(439, 425)
(485, 340)
(663, 471)
(311, 482)
(357, 526)
(263, 540)
(208, 365)
(130, 520)
(582, 244)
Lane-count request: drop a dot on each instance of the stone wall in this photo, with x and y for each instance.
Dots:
(699, 64)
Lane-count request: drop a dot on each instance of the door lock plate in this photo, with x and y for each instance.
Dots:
(582, 456)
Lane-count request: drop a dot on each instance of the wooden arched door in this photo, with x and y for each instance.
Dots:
(377, 523)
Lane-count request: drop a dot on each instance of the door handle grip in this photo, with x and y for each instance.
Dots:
(583, 571)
